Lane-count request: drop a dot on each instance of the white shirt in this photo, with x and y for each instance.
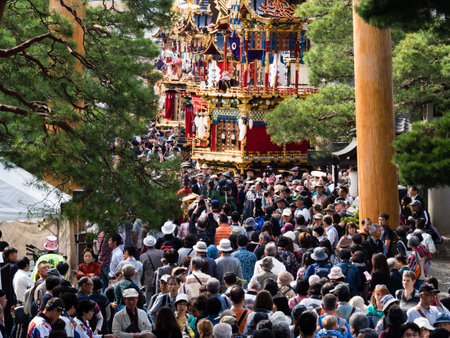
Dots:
(332, 236)
(116, 258)
(277, 267)
(21, 283)
(432, 313)
(303, 211)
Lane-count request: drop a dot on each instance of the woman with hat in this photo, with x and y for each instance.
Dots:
(346, 241)
(183, 318)
(387, 302)
(425, 327)
(320, 267)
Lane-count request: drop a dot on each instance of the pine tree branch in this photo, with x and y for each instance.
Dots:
(5, 53)
(34, 105)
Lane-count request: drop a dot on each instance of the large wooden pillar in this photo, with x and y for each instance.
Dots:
(375, 125)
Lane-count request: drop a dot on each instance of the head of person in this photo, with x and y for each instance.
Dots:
(342, 292)
(128, 271)
(378, 293)
(129, 251)
(10, 254)
(173, 284)
(88, 256)
(329, 302)
(62, 268)
(271, 286)
(375, 231)
(114, 240)
(165, 320)
(379, 263)
(213, 286)
(85, 310)
(427, 293)
(237, 295)
(24, 264)
(409, 330)
(70, 300)
(222, 330)
(196, 263)
(425, 327)
(213, 306)
(351, 229)
(307, 323)
(345, 254)
(281, 303)
(181, 303)
(443, 322)
(368, 333)
(264, 301)
(51, 282)
(357, 322)
(270, 250)
(408, 280)
(304, 240)
(43, 267)
(383, 219)
(54, 308)
(86, 286)
(171, 256)
(205, 329)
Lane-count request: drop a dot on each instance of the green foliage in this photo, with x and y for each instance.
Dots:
(50, 120)
(421, 70)
(410, 14)
(331, 35)
(325, 115)
(423, 154)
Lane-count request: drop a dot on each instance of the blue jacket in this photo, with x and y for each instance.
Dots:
(311, 270)
(352, 276)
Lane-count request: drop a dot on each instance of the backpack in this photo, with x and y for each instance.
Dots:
(321, 271)
(29, 304)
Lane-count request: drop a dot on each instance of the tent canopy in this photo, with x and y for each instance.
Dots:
(24, 197)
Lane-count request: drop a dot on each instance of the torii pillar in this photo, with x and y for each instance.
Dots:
(375, 125)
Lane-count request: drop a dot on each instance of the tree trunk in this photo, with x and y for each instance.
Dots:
(375, 125)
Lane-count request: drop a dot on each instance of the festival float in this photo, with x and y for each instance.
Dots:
(226, 64)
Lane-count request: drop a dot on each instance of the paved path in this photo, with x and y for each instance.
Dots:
(440, 268)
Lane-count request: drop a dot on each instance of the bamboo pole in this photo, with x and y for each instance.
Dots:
(375, 126)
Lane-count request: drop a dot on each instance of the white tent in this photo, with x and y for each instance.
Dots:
(24, 198)
(30, 211)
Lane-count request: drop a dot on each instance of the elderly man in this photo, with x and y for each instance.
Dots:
(226, 262)
(270, 251)
(374, 244)
(200, 188)
(197, 278)
(131, 322)
(428, 294)
(151, 261)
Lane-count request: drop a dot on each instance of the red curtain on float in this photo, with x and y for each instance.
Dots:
(189, 120)
(170, 105)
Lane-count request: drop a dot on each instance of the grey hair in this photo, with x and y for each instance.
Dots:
(270, 249)
(222, 330)
(359, 321)
(373, 228)
(254, 285)
(197, 263)
(391, 262)
(213, 285)
(281, 329)
(265, 236)
(128, 271)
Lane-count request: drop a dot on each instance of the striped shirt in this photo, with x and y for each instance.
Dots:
(223, 231)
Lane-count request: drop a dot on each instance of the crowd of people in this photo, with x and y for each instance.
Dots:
(271, 256)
